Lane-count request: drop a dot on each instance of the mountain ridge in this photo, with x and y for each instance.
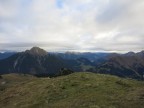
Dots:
(37, 61)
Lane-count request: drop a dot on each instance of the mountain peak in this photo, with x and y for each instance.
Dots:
(130, 53)
(36, 51)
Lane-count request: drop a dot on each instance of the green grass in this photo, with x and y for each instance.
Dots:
(78, 90)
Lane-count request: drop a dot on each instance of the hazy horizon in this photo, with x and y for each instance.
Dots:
(68, 51)
(72, 25)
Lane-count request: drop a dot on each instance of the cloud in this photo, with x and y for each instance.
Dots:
(80, 25)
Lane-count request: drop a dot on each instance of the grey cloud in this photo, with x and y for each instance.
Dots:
(90, 25)
(112, 11)
(52, 46)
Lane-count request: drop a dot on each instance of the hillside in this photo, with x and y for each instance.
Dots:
(78, 90)
(35, 61)
(124, 65)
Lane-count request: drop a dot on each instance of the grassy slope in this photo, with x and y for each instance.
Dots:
(78, 90)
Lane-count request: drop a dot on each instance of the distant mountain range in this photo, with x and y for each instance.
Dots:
(90, 56)
(37, 61)
(125, 65)
(6, 55)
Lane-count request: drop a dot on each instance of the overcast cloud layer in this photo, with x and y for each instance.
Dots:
(72, 25)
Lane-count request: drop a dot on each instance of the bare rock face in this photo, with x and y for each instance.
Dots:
(36, 51)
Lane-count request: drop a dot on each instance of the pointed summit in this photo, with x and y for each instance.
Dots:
(36, 51)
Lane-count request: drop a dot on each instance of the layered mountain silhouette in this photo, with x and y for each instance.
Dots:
(37, 61)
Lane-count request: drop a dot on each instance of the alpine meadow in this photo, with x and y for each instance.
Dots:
(71, 54)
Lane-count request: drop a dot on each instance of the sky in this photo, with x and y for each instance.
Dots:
(72, 25)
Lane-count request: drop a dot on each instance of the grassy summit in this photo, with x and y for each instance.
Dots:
(78, 90)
